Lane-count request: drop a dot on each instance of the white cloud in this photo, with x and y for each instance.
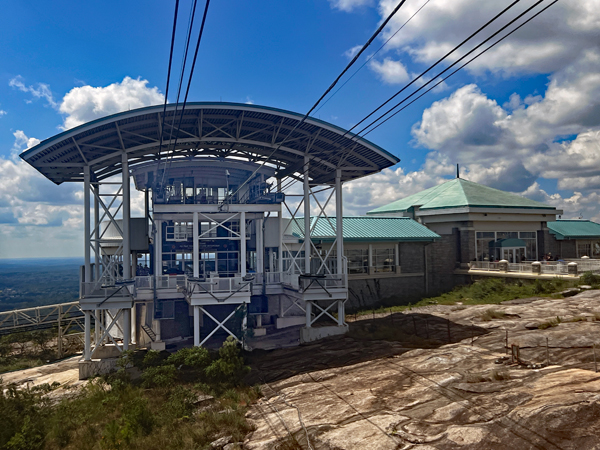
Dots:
(2, 112)
(349, 5)
(22, 142)
(82, 104)
(351, 52)
(41, 90)
(390, 71)
(553, 40)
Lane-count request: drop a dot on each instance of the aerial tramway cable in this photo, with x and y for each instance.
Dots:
(372, 56)
(468, 62)
(357, 135)
(187, 91)
(168, 76)
(360, 52)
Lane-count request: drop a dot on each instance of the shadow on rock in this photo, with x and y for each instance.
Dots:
(367, 340)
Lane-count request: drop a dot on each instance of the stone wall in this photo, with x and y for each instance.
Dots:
(390, 290)
(442, 258)
(411, 257)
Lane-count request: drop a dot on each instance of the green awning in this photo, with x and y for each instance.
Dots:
(505, 243)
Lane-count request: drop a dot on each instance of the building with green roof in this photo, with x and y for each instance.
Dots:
(481, 222)
(575, 238)
(386, 257)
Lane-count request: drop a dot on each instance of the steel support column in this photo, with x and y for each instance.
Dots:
(243, 243)
(126, 215)
(87, 348)
(158, 248)
(196, 326)
(307, 244)
(196, 245)
(97, 256)
(126, 328)
(308, 314)
(339, 225)
(86, 225)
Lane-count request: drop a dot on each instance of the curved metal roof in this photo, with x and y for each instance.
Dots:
(235, 130)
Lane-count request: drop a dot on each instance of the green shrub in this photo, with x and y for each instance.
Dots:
(229, 369)
(590, 278)
(194, 358)
(159, 376)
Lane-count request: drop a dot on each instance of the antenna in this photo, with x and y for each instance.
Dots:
(457, 171)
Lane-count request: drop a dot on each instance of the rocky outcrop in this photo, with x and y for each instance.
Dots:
(352, 393)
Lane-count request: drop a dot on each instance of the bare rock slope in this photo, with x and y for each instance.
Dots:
(460, 390)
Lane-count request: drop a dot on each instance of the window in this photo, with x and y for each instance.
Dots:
(384, 259)
(486, 253)
(358, 260)
(180, 231)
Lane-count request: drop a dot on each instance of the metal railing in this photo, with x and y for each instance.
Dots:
(96, 290)
(548, 267)
(170, 281)
(218, 285)
(39, 316)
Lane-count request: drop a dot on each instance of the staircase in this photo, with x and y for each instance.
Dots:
(151, 334)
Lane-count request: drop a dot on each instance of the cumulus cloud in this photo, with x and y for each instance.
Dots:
(2, 112)
(85, 103)
(349, 5)
(390, 71)
(351, 53)
(40, 90)
(556, 38)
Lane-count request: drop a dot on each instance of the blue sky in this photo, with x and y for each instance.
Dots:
(524, 117)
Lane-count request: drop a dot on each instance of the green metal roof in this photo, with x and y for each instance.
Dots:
(367, 229)
(459, 193)
(574, 229)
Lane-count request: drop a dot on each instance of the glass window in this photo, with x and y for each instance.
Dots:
(384, 259)
(527, 234)
(485, 235)
(358, 260)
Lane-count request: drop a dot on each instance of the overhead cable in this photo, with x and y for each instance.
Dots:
(372, 56)
(301, 121)
(465, 64)
(187, 91)
(168, 75)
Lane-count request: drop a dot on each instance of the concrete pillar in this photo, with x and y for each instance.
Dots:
(196, 245)
(86, 225)
(370, 259)
(126, 216)
(536, 267)
(87, 346)
(572, 268)
(339, 225)
(243, 243)
(197, 326)
(126, 328)
(307, 246)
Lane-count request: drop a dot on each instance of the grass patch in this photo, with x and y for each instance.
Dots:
(185, 400)
(590, 279)
(485, 291)
(491, 314)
